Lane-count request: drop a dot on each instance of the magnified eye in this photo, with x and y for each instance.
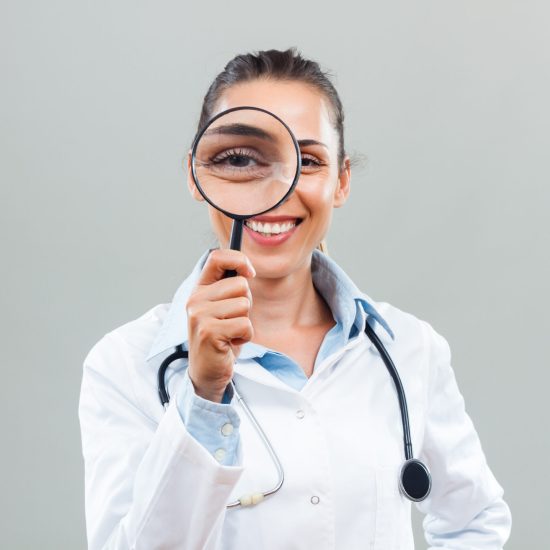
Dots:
(239, 161)
(235, 158)
(238, 165)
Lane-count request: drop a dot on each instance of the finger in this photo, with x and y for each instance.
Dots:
(228, 309)
(238, 330)
(225, 289)
(221, 260)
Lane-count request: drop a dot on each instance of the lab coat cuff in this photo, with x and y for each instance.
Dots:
(214, 425)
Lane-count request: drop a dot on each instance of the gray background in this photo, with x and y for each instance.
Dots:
(448, 217)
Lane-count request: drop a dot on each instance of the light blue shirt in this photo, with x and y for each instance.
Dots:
(216, 425)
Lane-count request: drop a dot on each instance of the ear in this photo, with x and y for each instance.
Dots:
(191, 182)
(342, 189)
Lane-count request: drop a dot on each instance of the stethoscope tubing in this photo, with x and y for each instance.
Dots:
(415, 479)
(407, 443)
(245, 500)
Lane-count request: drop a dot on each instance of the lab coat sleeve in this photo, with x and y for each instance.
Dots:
(214, 425)
(148, 483)
(465, 509)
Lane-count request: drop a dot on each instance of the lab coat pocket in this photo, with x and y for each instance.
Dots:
(393, 524)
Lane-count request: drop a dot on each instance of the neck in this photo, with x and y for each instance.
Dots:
(287, 302)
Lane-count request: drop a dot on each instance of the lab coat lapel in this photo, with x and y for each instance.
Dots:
(253, 371)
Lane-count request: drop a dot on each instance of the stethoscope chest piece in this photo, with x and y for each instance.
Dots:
(415, 480)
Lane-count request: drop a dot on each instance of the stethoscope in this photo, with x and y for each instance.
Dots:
(415, 481)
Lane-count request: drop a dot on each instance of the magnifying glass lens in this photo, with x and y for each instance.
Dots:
(245, 162)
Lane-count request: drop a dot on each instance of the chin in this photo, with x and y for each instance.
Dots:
(277, 265)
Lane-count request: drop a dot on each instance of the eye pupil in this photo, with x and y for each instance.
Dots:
(238, 161)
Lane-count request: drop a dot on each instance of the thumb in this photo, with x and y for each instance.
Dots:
(236, 346)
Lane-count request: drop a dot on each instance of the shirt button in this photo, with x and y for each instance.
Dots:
(227, 429)
(300, 414)
(219, 455)
(315, 500)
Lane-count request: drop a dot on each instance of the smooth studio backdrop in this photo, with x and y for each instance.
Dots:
(448, 217)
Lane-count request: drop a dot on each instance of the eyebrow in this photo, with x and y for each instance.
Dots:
(240, 130)
(237, 129)
(308, 142)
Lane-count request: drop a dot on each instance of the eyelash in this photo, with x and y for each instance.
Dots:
(234, 153)
(317, 163)
(221, 157)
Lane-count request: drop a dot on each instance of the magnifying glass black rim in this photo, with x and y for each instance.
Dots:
(200, 133)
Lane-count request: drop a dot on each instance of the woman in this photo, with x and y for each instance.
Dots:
(290, 331)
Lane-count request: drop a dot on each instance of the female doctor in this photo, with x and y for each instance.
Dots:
(312, 458)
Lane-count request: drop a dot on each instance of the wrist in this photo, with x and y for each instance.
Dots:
(210, 392)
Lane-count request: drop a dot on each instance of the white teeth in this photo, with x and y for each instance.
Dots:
(270, 228)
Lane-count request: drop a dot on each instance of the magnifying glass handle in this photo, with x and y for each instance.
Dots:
(235, 243)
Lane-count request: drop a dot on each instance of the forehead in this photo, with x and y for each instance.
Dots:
(299, 105)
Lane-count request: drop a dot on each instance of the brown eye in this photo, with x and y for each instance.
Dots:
(239, 161)
(236, 158)
(238, 164)
(310, 164)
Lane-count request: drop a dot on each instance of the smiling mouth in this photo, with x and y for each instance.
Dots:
(270, 229)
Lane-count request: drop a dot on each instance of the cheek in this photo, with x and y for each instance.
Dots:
(220, 224)
(318, 191)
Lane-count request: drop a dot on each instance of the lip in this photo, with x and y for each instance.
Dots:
(275, 219)
(274, 240)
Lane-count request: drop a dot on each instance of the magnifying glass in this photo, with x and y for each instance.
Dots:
(245, 161)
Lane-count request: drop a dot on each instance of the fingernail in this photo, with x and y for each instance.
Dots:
(252, 269)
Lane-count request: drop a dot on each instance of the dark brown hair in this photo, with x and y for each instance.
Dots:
(278, 65)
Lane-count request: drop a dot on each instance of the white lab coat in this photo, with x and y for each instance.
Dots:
(151, 485)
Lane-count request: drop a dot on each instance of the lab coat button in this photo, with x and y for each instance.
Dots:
(227, 429)
(315, 500)
(300, 414)
(219, 455)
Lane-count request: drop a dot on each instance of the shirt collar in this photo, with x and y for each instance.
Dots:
(338, 290)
